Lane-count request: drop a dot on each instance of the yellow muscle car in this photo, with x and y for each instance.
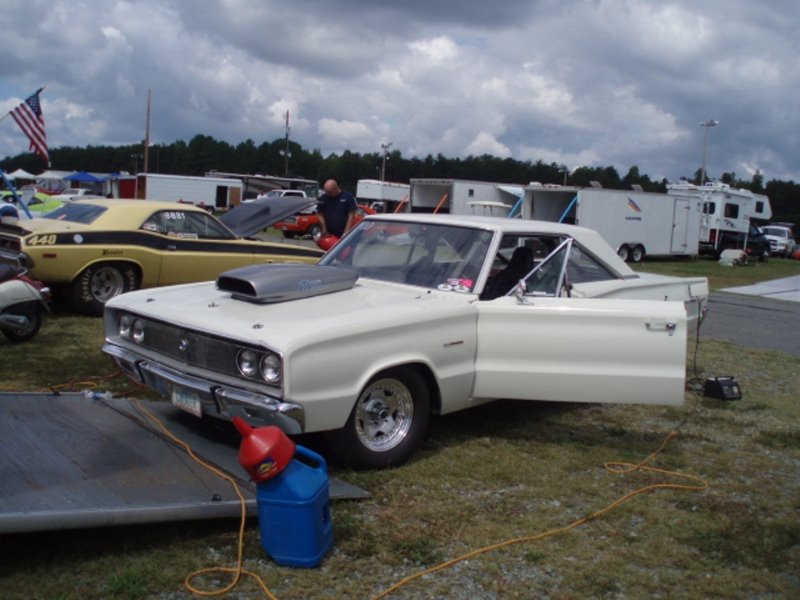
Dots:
(92, 250)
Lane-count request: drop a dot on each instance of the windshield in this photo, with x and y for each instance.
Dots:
(76, 213)
(776, 231)
(440, 257)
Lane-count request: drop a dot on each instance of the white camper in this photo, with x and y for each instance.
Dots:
(209, 192)
(726, 213)
(635, 223)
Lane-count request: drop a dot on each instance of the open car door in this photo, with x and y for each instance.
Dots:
(541, 344)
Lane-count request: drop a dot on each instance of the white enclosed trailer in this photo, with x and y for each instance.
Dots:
(374, 190)
(635, 223)
(210, 192)
(463, 197)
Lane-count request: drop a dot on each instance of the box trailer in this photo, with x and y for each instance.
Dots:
(726, 213)
(635, 223)
(463, 197)
(383, 196)
(209, 192)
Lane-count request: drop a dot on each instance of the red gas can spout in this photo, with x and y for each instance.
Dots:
(265, 451)
(242, 426)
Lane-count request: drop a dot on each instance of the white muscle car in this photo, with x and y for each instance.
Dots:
(406, 316)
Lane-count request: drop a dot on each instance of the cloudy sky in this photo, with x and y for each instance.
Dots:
(578, 82)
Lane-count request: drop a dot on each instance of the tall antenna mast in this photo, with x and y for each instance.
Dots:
(286, 149)
(147, 135)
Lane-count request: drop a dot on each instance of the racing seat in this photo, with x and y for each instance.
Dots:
(521, 264)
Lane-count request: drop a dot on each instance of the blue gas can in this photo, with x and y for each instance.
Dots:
(294, 512)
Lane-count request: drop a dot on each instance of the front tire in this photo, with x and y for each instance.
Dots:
(387, 423)
(637, 254)
(624, 252)
(315, 231)
(99, 283)
(22, 334)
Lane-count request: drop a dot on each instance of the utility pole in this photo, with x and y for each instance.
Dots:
(286, 153)
(147, 136)
(385, 147)
(706, 125)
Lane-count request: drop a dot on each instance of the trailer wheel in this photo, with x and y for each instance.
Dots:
(638, 253)
(624, 252)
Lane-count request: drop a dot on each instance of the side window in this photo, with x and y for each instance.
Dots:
(709, 207)
(186, 225)
(582, 268)
(567, 265)
(759, 207)
(731, 211)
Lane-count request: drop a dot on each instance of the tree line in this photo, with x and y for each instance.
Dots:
(203, 153)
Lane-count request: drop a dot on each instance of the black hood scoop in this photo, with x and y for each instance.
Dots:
(265, 284)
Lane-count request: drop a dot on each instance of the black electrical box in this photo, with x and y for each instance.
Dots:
(724, 388)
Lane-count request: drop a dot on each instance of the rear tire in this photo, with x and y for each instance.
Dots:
(624, 252)
(99, 283)
(387, 423)
(638, 254)
(315, 231)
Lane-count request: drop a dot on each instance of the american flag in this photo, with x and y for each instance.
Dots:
(28, 116)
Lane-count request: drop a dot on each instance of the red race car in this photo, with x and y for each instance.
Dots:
(306, 222)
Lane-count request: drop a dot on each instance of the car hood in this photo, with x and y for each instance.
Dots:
(249, 218)
(369, 305)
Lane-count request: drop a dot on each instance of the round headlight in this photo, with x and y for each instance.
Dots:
(137, 331)
(271, 368)
(247, 363)
(125, 322)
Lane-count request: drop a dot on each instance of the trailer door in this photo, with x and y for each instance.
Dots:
(680, 227)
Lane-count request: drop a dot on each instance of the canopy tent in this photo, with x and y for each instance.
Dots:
(52, 175)
(83, 176)
(20, 174)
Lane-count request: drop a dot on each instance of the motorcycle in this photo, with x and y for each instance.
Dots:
(23, 300)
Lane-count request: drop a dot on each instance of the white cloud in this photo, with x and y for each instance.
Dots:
(485, 143)
(607, 82)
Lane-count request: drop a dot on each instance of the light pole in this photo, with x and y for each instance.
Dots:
(385, 147)
(706, 125)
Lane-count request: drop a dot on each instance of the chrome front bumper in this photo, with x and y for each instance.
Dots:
(217, 400)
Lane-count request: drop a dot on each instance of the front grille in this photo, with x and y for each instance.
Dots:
(192, 348)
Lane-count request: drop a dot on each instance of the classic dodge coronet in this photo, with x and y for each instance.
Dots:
(406, 316)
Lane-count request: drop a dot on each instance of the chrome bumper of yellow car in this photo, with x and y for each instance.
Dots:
(200, 396)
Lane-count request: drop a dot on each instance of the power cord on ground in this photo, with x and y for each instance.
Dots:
(615, 467)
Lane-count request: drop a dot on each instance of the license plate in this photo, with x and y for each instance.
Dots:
(187, 400)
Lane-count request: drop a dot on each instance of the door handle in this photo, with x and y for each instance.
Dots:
(669, 327)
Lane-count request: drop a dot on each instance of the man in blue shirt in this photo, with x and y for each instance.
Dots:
(336, 209)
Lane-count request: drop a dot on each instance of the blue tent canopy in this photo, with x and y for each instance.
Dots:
(84, 177)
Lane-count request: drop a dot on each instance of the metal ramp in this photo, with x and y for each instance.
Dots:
(71, 462)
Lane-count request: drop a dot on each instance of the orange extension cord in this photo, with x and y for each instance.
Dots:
(620, 468)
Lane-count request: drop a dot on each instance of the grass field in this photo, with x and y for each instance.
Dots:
(496, 473)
